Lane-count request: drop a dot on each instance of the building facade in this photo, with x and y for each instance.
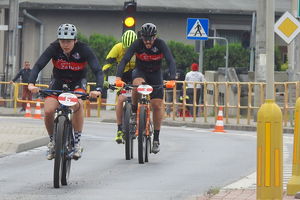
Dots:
(39, 19)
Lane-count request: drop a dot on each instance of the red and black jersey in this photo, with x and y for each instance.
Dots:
(68, 68)
(148, 60)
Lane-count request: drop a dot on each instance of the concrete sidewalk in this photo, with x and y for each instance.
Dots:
(21, 137)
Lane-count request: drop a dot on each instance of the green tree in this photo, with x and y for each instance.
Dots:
(215, 57)
(278, 60)
(184, 54)
(101, 45)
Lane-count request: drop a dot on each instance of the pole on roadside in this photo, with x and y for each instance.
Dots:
(12, 41)
(269, 125)
(293, 185)
(201, 57)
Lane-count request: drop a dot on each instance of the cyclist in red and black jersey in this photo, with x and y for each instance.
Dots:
(149, 51)
(70, 58)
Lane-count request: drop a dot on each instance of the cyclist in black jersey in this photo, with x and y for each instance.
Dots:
(70, 58)
(149, 51)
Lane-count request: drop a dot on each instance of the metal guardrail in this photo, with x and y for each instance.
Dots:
(16, 99)
(236, 97)
(240, 100)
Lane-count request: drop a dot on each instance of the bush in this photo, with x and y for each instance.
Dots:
(215, 57)
(100, 45)
(184, 55)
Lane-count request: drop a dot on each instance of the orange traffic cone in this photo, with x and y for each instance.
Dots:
(27, 111)
(219, 124)
(38, 112)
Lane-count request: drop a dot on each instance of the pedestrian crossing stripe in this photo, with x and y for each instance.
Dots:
(197, 30)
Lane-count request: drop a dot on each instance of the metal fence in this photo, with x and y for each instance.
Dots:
(240, 100)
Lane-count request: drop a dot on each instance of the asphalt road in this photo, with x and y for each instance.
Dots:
(191, 162)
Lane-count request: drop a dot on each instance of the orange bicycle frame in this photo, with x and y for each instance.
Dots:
(147, 106)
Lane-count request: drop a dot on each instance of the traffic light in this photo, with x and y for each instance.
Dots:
(129, 16)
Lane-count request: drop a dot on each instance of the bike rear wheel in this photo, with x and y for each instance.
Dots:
(59, 152)
(142, 139)
(68, 144)
(126, 130)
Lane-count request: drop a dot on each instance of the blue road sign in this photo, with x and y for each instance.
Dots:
(197, 29)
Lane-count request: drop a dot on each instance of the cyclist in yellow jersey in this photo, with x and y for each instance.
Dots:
(114, 57)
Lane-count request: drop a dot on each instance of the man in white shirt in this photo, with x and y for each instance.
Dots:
(194, 76)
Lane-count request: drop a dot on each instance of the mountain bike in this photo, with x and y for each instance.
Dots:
(64, 138)
(127, 128)
(144, 125)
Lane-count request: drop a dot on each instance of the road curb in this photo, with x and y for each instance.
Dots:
(38, 142)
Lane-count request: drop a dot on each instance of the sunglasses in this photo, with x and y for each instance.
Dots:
(148, 38)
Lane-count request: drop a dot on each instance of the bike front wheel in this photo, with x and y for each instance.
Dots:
(59, 152)
(68, 144)
(142, 139)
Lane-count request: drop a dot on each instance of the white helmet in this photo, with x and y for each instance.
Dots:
(67, 32)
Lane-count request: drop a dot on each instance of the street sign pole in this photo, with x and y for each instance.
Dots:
(269, 126)
(270, 50)
(197, 29)
(298, 9)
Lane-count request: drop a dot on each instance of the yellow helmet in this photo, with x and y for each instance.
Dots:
(128, 38)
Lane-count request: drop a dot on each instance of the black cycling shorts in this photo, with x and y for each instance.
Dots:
(151, 78)
(79, 85)
(127, 77)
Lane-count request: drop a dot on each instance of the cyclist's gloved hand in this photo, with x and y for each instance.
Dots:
(105, 84)
(170, 84)
(119, 83)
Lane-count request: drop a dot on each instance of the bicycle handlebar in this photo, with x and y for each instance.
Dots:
(130, 86)
(47, 92)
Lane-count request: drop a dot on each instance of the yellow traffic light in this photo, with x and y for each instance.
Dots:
(129, 22)
(129, 18)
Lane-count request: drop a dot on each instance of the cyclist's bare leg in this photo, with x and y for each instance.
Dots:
(158, 111)
(157, 108)
(119, 108)
(136, 81)
(50, 106)
(77, 122)
(78, 115)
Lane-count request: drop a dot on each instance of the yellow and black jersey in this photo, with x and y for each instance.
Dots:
(115, 56)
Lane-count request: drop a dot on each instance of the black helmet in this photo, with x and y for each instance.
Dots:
(148, 30)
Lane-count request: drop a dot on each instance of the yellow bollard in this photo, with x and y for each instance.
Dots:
(293, 185)
(269, 152)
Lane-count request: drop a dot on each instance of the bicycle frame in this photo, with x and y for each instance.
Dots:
(144, 101)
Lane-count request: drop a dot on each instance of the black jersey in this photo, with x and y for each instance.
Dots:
(148, 60)
(24, 74)
(68, 68)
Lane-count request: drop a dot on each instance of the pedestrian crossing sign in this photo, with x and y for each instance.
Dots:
(197, 29)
